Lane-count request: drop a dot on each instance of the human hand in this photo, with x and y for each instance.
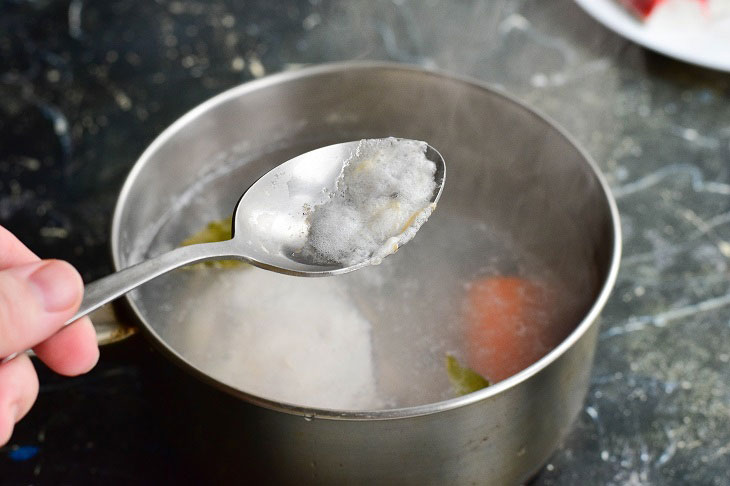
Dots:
(36, 298)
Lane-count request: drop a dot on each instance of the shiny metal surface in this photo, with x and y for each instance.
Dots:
(270, 223)
(509, 168)
(269, 245)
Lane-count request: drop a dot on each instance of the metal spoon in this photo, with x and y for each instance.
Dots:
(269, 225)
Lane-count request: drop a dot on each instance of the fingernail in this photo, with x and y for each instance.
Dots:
(56, 283)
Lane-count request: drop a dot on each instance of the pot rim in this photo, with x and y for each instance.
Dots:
(588, 320)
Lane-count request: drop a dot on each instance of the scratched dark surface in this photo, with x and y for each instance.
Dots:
(85, 85)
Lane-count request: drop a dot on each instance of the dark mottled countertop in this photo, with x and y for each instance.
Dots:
(85, 85)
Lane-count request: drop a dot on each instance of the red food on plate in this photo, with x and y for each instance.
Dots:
(642, 8)
(511, 323)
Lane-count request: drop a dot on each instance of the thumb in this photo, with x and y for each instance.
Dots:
(36, 299)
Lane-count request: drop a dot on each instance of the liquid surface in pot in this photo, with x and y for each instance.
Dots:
(372, 339)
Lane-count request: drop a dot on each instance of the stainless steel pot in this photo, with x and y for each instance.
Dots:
(508, 167)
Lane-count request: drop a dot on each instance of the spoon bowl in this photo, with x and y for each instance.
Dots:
(270, 223)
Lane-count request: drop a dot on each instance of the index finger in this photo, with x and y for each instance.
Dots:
(13, 252)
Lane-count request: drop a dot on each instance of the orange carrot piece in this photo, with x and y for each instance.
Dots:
(509, 325)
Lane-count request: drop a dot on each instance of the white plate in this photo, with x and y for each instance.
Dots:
(704, 47)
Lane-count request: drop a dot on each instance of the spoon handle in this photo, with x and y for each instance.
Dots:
(108, 288)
